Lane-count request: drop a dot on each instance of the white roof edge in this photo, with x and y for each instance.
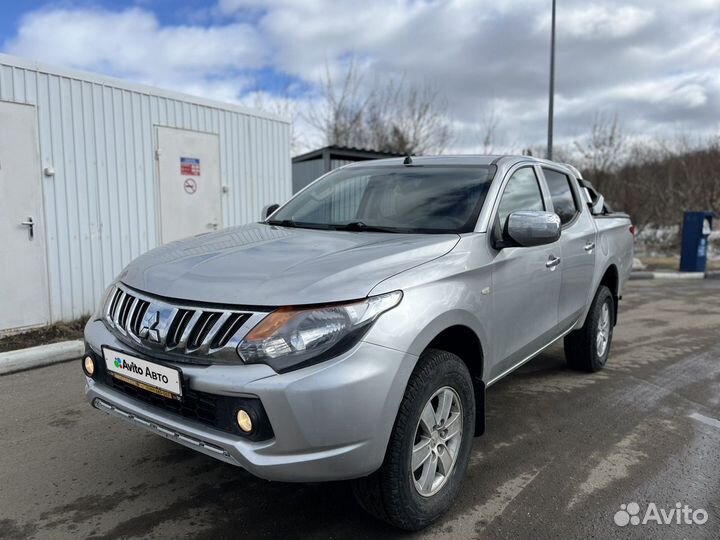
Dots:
(105, 80)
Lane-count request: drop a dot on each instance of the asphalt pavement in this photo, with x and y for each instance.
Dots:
(563, 451)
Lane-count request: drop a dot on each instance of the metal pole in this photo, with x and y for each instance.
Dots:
(551, 98)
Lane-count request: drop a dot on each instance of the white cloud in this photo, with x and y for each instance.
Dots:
(131, 43)
(598, 21)
(654, 62)
(686, 94)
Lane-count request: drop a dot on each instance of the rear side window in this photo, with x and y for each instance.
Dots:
(562, 195)
(521, 193)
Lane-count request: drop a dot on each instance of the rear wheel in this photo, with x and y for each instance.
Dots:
(429, 448)
(588, 348)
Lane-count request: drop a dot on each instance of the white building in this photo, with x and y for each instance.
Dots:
(94, 171)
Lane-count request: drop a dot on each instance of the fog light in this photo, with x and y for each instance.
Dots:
(89, 365)
(244, 421)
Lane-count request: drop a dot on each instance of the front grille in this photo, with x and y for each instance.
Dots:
(177, 330)
(213, 410)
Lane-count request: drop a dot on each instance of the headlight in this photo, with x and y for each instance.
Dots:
(292, 337)
(100, 310)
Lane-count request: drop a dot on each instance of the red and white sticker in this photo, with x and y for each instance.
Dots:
(189, 166)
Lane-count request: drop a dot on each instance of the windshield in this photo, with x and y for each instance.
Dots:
(418, 199)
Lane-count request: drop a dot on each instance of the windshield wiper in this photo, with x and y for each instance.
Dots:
(363, 227)
(282, 222)
(296, 224)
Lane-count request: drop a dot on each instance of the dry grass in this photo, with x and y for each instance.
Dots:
(42, 336)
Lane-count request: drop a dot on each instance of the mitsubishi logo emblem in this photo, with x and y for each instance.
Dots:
(150, 330)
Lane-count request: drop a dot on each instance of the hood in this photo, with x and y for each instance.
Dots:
(263, 265)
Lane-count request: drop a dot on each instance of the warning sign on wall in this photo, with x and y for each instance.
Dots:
(189, 166)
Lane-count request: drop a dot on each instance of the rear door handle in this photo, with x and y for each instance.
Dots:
(589, 246)
(552, 262)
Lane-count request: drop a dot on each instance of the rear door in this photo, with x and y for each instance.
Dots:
(577, 245)
(524, 289)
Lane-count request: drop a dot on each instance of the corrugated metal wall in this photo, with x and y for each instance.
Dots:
(99, 136)
(305, 172)
(335, 163)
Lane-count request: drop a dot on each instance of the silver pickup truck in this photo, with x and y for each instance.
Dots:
(353, 332)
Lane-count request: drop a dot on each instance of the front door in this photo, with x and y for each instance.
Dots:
(525, 288)
(23, 275)
(190, 186)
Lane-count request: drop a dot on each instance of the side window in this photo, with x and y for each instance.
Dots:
(562, 195)
(522, 192)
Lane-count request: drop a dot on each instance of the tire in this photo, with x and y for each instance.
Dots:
(390, 493)
(584, 349)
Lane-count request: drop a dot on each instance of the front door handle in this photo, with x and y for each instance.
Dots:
(552, 262)
(30, 224)
(589, 246)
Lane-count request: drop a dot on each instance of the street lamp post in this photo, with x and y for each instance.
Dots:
(551, 97)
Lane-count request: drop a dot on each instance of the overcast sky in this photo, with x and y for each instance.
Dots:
(656, 63)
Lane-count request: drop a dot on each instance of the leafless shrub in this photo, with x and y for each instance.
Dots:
(657, 180)
(389, 115)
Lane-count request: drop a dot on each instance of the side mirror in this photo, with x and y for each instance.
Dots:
(529, 228)
(268, 210)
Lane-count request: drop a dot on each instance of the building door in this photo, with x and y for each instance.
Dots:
(190, 186)
(23, 273)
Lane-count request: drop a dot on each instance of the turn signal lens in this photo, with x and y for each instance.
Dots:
(89, 366)
(244, 421)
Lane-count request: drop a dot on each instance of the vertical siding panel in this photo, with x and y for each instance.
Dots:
(145, 149)
(248, 177)
(100, 207)
(112, 146)
(242, 160)
(6, 83)
(195, 122)
(104, 254)
(30, 78)
(178, 119)
(69, 270)
(252, 178)
(235, 160)
(121, 187)
(18, 80)
(80, 250)
(224, 176)
(135, 179)
(46, 127)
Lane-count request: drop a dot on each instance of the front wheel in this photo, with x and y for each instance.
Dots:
(429, 448)
(588, 348)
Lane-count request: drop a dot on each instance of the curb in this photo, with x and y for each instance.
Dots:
(674, 275)
(43, 355)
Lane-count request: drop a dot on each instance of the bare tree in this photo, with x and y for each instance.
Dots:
(602, 151)
(488, 136)
(388, 115)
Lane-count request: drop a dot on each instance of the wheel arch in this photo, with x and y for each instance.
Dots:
(464, 342)
(611, 279)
